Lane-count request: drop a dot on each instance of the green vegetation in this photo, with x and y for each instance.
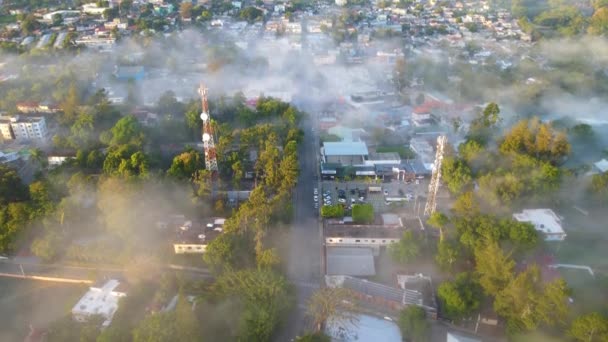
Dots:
(332, 211)
(363, 213)
(413, 324)
(406, 250)
(459, 298)
(331, 304)
(589, 328)
(403, 151)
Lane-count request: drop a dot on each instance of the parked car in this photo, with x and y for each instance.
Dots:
(385, 192)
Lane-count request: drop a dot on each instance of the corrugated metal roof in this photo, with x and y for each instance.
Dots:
(353, 261)
(345, 148)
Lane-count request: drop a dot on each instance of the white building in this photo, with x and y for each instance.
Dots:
(345, 153)
(341, 2)
(93, 9)
(23, 128)
(99, 301)
(425, 152)
(544, 221)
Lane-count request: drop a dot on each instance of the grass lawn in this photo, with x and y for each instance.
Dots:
(404, 152)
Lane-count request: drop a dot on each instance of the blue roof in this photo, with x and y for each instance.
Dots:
(350, 148)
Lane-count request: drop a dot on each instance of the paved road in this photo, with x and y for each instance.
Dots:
(305, 247)
(32, 268)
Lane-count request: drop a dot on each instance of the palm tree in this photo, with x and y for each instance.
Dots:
(39, 156)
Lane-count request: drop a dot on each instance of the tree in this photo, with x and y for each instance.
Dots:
(400, 74)
(266, 295)
(57, 19)
(363, 213)
(251, 14)
(47, 248)
(70, 105)
(39, 157)
(406, 250)
(599, 185)
(331, 304)
(413, 324)
(29, 24)
(459, 298)
(493, 267)
(592, 327)
(456, 174)
(526, 303)
(332, 211)
(438, 220)
(448, 253)
(127, 131)
(11, 187)
(466, 205)
(157, 327)
(185, 10)
(186, 164)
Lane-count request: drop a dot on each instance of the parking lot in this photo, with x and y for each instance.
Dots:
(378, 195)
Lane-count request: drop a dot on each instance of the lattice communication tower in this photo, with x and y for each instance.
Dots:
(208, 139)
(431, 202)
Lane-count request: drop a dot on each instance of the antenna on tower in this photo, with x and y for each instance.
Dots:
(207, 134)
(431, 204)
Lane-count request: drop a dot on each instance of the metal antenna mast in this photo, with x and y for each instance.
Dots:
(431, 204)
(208, 143)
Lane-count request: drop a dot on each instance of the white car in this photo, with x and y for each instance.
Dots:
(315, 191)
(342, 200)
(385, 192)
(316, 198)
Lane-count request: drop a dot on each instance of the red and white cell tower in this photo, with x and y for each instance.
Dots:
(431, 203)
(208, 141)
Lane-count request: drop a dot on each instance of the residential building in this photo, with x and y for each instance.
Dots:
(193, 238)
(545, 221)
(58, 159)
(92, 8)
(23, 128)
(100, 300)
(97, 42)
(425, 152)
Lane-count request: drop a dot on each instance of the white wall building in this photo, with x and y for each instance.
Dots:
(23, 128)
(341, 2)
(99, 301)
(545, 221)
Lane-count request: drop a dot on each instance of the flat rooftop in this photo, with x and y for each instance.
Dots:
(352, 261)
(345, 148)
(363, 231)
(544, 220)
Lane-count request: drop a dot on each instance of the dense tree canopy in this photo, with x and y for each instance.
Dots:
(186, 164)
(406, 249)
(413, 324)
(592, 327)
(266, 295)
(461, 297)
